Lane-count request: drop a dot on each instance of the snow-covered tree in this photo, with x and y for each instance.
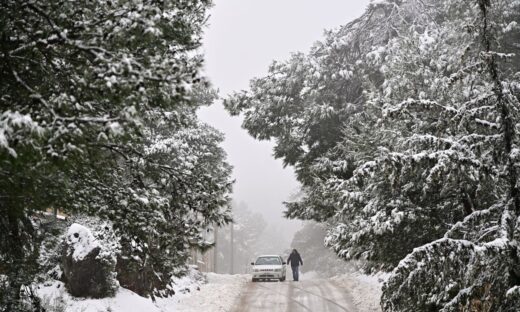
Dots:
(475, 265)
(307, 102)
(161, 195)
(97, 116)
(421, 173)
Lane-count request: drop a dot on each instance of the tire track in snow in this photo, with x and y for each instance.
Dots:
(320, 286)
(310, 295)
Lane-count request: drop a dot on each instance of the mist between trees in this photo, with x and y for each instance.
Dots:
(249, 236)
(252, 236)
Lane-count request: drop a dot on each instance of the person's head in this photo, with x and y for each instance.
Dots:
(294, 251)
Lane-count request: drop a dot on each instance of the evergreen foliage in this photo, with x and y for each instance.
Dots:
(97, 116)
(406, 145)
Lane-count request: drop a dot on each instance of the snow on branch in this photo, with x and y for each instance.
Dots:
(446, 275)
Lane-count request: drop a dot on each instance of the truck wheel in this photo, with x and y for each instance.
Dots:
(282, 279)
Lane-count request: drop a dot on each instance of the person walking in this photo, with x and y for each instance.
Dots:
(295, 260)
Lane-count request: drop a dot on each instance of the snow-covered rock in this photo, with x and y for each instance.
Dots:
(80, 241)
(86, 271)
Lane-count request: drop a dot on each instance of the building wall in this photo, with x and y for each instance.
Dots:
(205, 261)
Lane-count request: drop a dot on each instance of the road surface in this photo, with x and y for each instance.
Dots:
(317, 295)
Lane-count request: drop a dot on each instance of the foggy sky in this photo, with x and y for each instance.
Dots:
(243, 38)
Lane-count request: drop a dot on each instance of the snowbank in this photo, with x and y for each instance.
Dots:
(219, 294)
(55, 298)
(365, 289)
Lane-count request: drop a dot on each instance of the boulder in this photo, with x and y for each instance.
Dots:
(86, 272)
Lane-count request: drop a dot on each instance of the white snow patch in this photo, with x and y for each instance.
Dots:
(425, 40)
(310, 275)
(364, 289)
(511, 26)
(115, 128)
(515, 291)
(81, 240)
(188, 283)
(219, 294)
(54, 296)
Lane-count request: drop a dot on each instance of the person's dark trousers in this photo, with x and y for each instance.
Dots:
(295, 273)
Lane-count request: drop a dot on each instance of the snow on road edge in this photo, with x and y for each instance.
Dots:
(56, 298)
(218, 295)
(364, 289)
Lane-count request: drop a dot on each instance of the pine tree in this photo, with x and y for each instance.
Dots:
(475, 266)
(422, 176)
(97, 116)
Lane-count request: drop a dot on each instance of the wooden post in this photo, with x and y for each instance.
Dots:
(232, 249)
(215, 250)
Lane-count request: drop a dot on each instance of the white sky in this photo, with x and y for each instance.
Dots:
(243, 38)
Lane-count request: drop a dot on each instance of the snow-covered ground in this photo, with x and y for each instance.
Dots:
(365, 290)
(56, 299)
(219, 294)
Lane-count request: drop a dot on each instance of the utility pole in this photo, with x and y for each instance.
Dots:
(215, 250)
(232, 248)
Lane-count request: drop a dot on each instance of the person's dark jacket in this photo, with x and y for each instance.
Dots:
(295, 259)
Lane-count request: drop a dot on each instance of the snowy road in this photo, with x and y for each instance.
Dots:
(308, 295)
